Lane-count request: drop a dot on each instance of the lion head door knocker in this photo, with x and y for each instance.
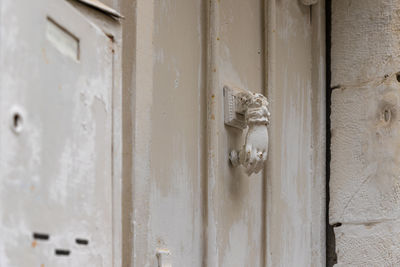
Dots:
(244, 109)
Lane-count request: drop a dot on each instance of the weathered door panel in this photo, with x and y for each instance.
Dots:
(289, 169)
(56, 137)
(175, 207)
(189, 203)
(235, 200)
(169, 127)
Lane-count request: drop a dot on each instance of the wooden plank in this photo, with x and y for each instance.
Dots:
(235, 208)
(295, 170)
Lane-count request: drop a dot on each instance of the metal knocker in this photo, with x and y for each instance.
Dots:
(244, 109)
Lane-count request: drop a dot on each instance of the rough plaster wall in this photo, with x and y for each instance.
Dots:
(374, 244)
(364, 185)
(365, 40)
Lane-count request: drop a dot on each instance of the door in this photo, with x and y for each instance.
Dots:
(56, 83)
(189, 205)
(184, 202)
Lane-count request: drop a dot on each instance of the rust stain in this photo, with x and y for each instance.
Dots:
(42, 265)
(213, 96)
(111, 37)
(212, 117)
(215, 70)
(34, 244)
(217, 38)
(32, 187)
(111, 44)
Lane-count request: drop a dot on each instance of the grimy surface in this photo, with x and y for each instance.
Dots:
(55, 142)
(186, 198)
(180, 196)
(365, 166)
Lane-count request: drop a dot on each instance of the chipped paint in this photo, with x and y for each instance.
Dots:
(180, 193)
(56, 174)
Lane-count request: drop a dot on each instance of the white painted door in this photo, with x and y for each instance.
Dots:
(184, 204)
(56, 82)
(190, 206)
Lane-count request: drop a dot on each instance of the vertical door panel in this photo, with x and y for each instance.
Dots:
(55, 144)
(235, 201)
(295, 176)
(188, 200)
(175, 205)
(169, 133)
(289, 168)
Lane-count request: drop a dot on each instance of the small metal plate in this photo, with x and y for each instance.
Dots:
(233, 116)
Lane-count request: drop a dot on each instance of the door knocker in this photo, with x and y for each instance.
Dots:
(244, 109)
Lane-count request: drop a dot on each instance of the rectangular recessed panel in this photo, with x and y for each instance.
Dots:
(63, 40)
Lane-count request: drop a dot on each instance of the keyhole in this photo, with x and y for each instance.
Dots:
(16, 121)
(387, 115)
